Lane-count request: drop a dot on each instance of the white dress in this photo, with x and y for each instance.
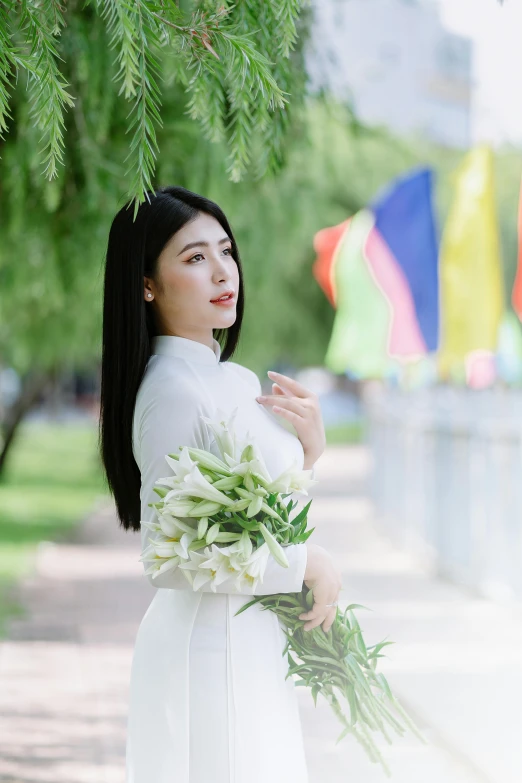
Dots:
(208, 699)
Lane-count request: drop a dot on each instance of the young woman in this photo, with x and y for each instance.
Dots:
(209, 702)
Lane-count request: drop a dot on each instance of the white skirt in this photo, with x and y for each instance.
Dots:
(208, 699)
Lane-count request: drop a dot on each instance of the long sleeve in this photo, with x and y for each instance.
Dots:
(170, 418)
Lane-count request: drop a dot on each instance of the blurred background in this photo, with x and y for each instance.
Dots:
(382, 256)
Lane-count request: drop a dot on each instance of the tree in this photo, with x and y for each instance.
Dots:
(232, 59)
(67, 78)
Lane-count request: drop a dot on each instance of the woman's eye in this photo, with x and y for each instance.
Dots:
(200, 255)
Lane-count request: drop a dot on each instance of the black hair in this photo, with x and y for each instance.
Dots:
(129, 326)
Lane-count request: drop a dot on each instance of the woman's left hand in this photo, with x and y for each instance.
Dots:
(301, 407)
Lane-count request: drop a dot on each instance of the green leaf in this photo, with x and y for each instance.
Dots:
(301, 517)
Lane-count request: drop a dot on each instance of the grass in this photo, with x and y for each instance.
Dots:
(347, 433)
(52, 479)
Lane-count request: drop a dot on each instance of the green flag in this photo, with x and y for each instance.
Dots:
(360, 333)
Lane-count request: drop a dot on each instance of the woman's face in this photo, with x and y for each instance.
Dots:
(195, 267)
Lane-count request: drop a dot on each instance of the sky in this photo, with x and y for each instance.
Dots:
(496, 31)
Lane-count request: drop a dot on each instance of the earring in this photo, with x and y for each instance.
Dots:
(149, 295)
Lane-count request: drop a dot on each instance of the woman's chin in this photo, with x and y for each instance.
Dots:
(227, 319)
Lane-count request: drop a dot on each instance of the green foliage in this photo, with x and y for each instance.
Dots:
(53, 476)
(229, 58)
(334, 168)
(340, 666)
(346, 433)
(54, 233)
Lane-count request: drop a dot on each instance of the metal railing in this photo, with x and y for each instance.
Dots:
(447, 481)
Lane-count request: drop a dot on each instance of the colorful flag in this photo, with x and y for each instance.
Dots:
(405, 340)
(360, 333)
(470, 266)
(404, 218)
(325, 243)
(516, 296)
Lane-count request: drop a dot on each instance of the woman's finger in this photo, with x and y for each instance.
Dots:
(330, 619)
(314, 623)
(290, 403)
(318, 614)
(276, 389)
(289, 383)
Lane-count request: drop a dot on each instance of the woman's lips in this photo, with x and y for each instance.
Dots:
(225, 302)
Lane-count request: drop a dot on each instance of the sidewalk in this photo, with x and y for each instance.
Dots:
(456, 665)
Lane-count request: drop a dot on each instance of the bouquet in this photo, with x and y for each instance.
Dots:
(218, 519)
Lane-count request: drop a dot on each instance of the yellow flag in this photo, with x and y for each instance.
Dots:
(471, 288)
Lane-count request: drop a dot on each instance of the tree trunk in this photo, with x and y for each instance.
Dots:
(33, 383)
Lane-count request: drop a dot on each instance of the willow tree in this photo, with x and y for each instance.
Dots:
(97, 100)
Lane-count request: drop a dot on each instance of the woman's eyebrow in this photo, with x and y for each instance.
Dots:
(202, 244)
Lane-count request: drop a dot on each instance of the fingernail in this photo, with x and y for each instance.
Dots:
(260, 399)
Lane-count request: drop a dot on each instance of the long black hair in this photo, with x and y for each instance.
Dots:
(129, 326)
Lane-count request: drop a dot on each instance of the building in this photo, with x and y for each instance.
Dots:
(395, 64)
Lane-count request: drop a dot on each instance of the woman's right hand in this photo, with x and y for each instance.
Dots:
(324, 578)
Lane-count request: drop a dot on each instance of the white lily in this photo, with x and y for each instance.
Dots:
(224, 432)
(206, 567)
(255, 502)
(177, 507)
(168, 481)
(221, 564)
(206, 508)
(292, 479)
(161, 565)
(253, 571)
(181, 467)
(240, 551)
(274, 546)
(208, 460)
(148, 553)
(165, 548)
(195, 485)
(158, 564)
(250, 467)
(151, 525)
(172, 526)
(255, 506)
(181, 548)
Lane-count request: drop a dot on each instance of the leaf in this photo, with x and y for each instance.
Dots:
(301, 517)
(247, 605)
(352, 701)
(376, 648)
(307, 535)
(384, 682)
(342, 735)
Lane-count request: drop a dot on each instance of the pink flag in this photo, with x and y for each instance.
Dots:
(405, 338)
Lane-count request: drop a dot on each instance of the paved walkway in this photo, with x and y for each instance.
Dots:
(456, 664)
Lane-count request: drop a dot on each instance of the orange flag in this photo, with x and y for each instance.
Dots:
(326, 242)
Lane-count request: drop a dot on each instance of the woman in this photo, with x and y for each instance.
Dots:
(209, 702)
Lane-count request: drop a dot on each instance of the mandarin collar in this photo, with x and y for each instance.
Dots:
(185, 348)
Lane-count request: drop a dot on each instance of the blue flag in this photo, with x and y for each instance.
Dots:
(404, 217)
